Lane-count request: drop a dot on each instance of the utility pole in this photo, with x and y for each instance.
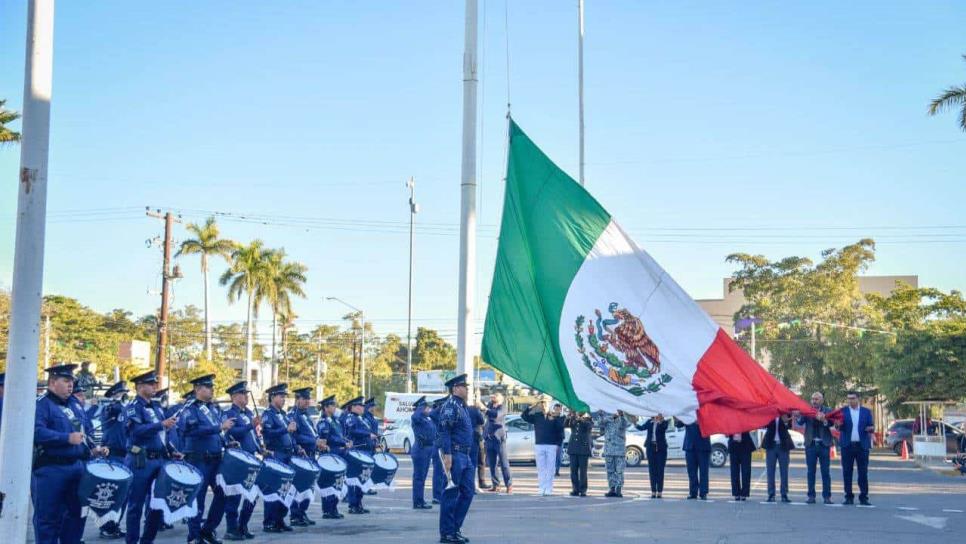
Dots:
(161, 352)
(28, 275)
(465, 338)
(413, 210)
(580, 83)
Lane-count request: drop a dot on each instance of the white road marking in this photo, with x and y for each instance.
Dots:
(952, 511)
(906, 508)
(928, 521)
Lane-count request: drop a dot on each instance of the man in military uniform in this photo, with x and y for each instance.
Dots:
(203, 448)
(335, 443)
(424, 432)
(307, 443)
(277, 430)
(115, 439)
(244, 434)
(615, 428)
(62, 444)
(439, 478)
(357, 429)
(455, 442)
(146, 426)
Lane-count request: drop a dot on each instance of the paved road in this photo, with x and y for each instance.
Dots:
(909, 505)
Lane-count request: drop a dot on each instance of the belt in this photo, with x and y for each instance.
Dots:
(461, 449)
(47, 460)
(117, 452)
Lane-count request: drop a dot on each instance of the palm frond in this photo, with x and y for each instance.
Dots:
(950, 98)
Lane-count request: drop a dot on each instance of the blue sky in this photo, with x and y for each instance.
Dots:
(802, 124)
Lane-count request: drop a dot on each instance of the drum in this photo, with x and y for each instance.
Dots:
(174, 491)
(359, 470)
(331, 475)
(384, 470)
(103, 489)
(237, 473)
(306, 476)
(274, 482)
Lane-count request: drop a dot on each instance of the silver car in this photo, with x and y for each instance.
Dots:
(520, 440)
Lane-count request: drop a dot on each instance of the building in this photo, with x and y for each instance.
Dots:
(259, 374)
(136, 352)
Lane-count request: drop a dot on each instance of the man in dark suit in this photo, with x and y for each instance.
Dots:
(778, 443)
(740, 447)
(818, 441)
(855, 441)
(697, 455)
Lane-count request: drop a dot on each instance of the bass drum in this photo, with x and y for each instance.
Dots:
(384, 470)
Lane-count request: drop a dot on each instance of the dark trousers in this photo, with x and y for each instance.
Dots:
(137, 502)
(698, 463)
(237, 512)
(439, 477)
(780, 457)
(57, 508)
(496, 451)
(209, 471)
(740, 473)
(656, 461)
(456, 502)
(330, 505)
(818, 454)
(421, 461)
(560, 454)
(578, 472)
(853, 454)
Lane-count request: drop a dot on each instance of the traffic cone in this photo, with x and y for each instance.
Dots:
(905, 451)
(831, 453)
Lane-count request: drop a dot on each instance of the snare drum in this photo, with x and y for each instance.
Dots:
(384, 470)
(237, 473)
(103, 489)
(274, 482)
(174, 491)
(359, 470)
(332, 475)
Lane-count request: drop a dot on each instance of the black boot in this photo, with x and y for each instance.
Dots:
(617, 492)
(610, 493)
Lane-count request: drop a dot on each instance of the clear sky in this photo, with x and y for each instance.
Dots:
(765, 127)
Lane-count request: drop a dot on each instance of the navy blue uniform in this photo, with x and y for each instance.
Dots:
(439, 476)
(145, 433)
(331, 431)
(280, 442)
(305, 437)
(203, 445)
(424, 432)
(494, 438)
(357, 430)
(58, 470)
(244, 433)
(174, 433)
(455, 437)
(115, 440)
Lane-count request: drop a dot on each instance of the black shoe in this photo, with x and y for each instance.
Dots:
(112, 534)
(300, 522)
(271, 529)
(234, 535)
(330, 515)
(285, 528)
(583, 493)
(811, 500)
(435, 501)
(827, 500)
(247, 534)
(744, 499)
(704, 497)
(865, 502)
(617, 492)
(771, 498)
(371, 492)
(785, 499)
(611, 493)
(209, 537)
(423, 506)
(848, 501)
(165, 527)
(450, 539)
(692, 497)
(459, 535)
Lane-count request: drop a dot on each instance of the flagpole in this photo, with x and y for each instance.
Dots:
(580, 82)
(28, 275)
(467, 270)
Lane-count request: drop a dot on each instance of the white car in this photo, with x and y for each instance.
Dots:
(398, 436)
(520, 440)
(634, 449)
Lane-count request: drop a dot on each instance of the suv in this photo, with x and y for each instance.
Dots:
(900, 431)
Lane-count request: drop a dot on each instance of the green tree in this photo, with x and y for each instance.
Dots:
(432, 352)
(282, 280)
(207, 242)
(952, 98)
(245, 276)
(6, 117)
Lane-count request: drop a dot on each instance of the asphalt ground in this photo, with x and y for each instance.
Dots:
(909, 504)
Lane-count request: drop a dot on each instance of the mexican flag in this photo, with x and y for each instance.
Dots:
(579, 312)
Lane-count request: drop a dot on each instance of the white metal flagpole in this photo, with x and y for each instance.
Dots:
(580, 83)
(467, 279)
(28, 275)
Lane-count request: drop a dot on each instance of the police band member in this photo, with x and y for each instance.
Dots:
(330, 431)
(307, 443)
(373, 426)
(277, 430)
(357, 429)
(439, 478)
(61, 444)
(146, 428)
(424, 433)
(455, 442)
(203, 448)
(244, 435)
(115, 440)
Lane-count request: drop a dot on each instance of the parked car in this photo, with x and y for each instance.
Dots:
(900, 431)
(520, 440)
(634, 450)
(398, 436)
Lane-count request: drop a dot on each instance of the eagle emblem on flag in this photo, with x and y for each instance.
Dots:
(617, 349)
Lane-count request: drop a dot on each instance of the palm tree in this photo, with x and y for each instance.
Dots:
(7, 116)
(206, 242)
(245, 277)
(953, 97)
(283, 279)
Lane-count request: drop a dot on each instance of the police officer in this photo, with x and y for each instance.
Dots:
(455, 442)
(335, 443)
(494, 435)
(174, 434)
(307, 443)
(277, 430)
(244, 434)
(61, 443)
(357, 429)
(115, 439)
(424, 432)
(373, 422)
(146, 427)
(203, 448)
(439, 478)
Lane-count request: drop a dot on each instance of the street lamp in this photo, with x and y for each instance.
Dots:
(362, 319)
(413, 210)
